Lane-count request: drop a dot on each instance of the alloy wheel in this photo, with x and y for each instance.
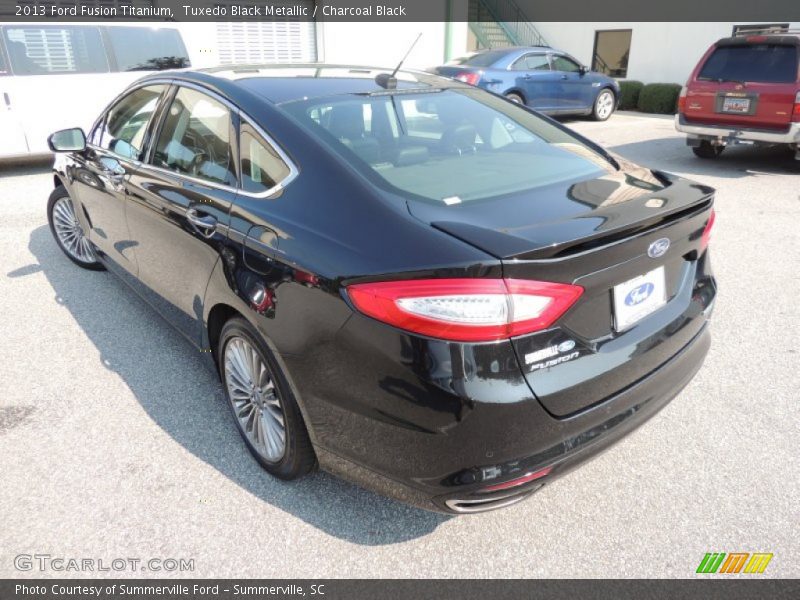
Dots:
(69, 232)
(605, 105)
(255, 399)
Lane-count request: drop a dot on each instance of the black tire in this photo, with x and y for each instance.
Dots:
(298, 457)
(604, 105)
(58, 194)
(516, 98)
(707, 150)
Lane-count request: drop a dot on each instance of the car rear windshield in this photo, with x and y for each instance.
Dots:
(484, 59)
(450, 146)
(763, 63)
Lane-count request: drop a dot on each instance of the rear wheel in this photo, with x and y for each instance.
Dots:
(67, 230)
(516, 98)
(707, 150)
(604, 105)
(264, 408)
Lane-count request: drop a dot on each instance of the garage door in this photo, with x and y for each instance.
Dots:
(284, 41)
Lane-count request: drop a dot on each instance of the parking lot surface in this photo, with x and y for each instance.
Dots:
(115, 441)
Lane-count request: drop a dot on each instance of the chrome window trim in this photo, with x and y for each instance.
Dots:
(278, 187)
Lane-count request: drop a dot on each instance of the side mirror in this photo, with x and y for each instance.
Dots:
(583, 70)
(67, 140)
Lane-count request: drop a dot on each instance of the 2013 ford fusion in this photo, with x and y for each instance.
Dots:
(411, 282)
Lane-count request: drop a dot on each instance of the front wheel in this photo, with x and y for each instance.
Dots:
(515, 98)
(67, 230)
(604, 105)
(264, 407)
(707, 150)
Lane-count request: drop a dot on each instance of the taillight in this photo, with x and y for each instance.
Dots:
(470, 78)
(707, 231)
(796, 109)
(682, 100)
(468, 310)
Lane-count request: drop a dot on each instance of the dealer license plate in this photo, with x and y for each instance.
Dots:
(639, 297)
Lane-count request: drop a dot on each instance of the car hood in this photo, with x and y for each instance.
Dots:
(569, 216)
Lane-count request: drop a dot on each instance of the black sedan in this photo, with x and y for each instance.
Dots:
(405, 280)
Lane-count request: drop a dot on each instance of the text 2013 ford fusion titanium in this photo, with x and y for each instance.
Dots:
(414, 283)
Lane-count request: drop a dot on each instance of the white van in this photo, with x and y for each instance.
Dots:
(59, 76)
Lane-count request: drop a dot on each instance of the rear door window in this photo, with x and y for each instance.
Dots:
(532, 62)
(55, 49)
(764, 63)
(147, 49)
(195, 139)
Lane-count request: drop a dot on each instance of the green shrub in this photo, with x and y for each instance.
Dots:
(661, 98)
(629, 94)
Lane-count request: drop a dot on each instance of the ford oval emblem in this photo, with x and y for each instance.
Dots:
(639, 294)
(566, 346)
(658, 248)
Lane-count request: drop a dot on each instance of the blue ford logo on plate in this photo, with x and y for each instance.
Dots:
(658, 248)
(639, 294)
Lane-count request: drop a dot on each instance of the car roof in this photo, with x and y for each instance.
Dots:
(285, 83)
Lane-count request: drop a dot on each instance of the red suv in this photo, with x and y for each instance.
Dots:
(746, 89)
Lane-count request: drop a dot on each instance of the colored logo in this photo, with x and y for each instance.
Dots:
(734, 562)
(658, 248)
(639, 294)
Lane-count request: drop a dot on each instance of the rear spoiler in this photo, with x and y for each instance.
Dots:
(600, 227)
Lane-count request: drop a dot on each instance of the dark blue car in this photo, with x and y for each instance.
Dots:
(540, 77)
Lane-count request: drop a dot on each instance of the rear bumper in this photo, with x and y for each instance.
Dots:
(728, 134)
(562, 445)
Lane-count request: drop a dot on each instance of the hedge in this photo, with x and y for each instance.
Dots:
(629, 94)
(661, 98)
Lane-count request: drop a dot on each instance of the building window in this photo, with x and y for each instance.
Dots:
(760, 28)
(612, 50)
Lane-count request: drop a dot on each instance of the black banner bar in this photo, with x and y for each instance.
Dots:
(713, 588)
(401, 10)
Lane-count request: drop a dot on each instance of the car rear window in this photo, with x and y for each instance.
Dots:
(448, 147)
(763, 63)
(484, 59)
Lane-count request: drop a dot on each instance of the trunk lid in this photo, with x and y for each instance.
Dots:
(745, 82)
(596, 233)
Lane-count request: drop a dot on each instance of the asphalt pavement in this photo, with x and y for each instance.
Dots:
(115, 442)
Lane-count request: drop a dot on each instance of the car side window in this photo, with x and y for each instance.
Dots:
(532, 62)
(195, 138)
(262, 166)
(122, 130)
(562, 63)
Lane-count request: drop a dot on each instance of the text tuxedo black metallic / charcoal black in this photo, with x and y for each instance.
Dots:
(416, 284)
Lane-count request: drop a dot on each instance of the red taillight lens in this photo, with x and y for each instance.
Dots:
(796, 108)
(682, 100)
(467, 310)
(707, 231)
(470, 78)
(518, 481)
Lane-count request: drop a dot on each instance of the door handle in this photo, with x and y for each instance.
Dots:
(7, 98)
(563, 77)
(206, 224)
